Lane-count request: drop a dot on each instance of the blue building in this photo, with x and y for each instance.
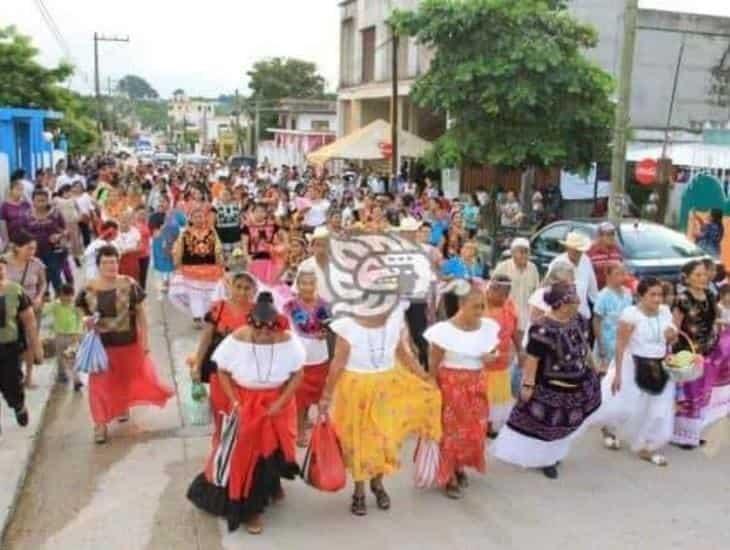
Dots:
(24, 143)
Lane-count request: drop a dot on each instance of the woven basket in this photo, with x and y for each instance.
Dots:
(686, 374)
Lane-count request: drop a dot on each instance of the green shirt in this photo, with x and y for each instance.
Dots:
(12, 301)
(66, 318)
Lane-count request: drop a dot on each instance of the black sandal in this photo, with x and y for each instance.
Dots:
(381, 497)
(462, 480)
(359, 508)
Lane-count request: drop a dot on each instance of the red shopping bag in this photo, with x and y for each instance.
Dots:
(324, 468)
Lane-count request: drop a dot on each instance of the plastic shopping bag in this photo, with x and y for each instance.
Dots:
(196, 405)
(324, 468)
(91, 357)
(427, 458)
(224, 451)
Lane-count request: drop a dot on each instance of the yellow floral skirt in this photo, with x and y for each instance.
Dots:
(499, 395)
(374, 413)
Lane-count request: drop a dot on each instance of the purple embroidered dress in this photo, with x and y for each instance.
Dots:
(567, 391)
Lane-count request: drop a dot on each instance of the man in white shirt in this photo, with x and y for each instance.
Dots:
(318, 263)
(576, 245)
(524, 277)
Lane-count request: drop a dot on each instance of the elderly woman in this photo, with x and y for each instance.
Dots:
(695, 313)
(459, 351)
(377, 404)
(560, 389)
(17, 311)
(308, 314)
(30, 273)
(638, 395)
(259, 368)
(131, 379)
(501, 309)
(199, 258)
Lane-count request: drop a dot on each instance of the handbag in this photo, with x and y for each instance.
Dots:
(208, 366)
(224, 451)
(650, 375)
(324, 467)
(427, 458)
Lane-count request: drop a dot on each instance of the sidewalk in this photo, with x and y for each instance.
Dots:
(17, 445)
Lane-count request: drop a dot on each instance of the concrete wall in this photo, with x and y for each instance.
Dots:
(656, 60)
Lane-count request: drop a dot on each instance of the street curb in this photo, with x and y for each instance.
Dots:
(34, 437)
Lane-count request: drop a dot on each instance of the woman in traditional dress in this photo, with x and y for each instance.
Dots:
(376, 403)
(459, 351)
(560, 389)
(13, 210)
(296, 254)
(225, 317)
(259, 368)
(199, 259)
(228, 222)
(129, 243)
(695, 313)
(638, 396)
(131, 378)
(500, 308)
(258, 235)
(308, 314)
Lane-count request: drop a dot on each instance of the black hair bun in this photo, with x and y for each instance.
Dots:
(265, 298)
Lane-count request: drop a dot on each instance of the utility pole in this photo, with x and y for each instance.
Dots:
(623, 112)
(237, 113)
(97, 83)
(394, 168)
(257, 130)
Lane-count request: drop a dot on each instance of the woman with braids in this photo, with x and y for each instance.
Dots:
(560, 388)
(259, 369)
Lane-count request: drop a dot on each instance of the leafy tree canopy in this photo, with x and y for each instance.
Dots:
(136, 87)
(513, 79)
(27, 83)
(281, 77)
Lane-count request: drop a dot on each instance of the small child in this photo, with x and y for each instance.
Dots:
(670, 293)
(67, 327)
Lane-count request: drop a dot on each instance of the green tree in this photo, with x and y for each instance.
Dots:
(278, 78)
(281, 77)
(136, 88)
(513, 80)
(26, 83)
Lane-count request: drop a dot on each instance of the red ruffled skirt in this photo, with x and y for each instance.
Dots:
(131, 380)
(465, 412)
(129, 265)
(264, 452)
(309, 391)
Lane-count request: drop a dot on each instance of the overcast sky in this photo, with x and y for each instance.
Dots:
(204, 47)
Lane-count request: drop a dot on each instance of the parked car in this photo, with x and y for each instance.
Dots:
(237, 161)
(648, 248)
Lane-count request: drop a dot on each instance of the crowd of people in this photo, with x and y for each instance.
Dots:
(489, 352)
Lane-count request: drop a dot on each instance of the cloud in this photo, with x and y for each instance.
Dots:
(203, 47)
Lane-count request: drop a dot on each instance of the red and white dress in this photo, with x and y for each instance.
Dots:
(465, 410)
(308, 324)
(265, 446)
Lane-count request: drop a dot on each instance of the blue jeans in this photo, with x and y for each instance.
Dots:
(54, 262)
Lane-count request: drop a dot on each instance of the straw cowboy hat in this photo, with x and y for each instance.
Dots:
(409, 224)
(320, 232)
(576, 241)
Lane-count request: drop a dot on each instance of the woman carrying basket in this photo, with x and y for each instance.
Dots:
(638, 394)
(131, 378)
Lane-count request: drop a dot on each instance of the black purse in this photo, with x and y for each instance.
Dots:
(650, 375)
(208, 366)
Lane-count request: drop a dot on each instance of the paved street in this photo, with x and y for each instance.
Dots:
(129, 494)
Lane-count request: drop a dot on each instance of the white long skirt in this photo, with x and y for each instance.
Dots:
(643, 420)
(191, 296)
(528, 452)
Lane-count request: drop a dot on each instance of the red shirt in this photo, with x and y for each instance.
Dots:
(601, 257)
(144, 243)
